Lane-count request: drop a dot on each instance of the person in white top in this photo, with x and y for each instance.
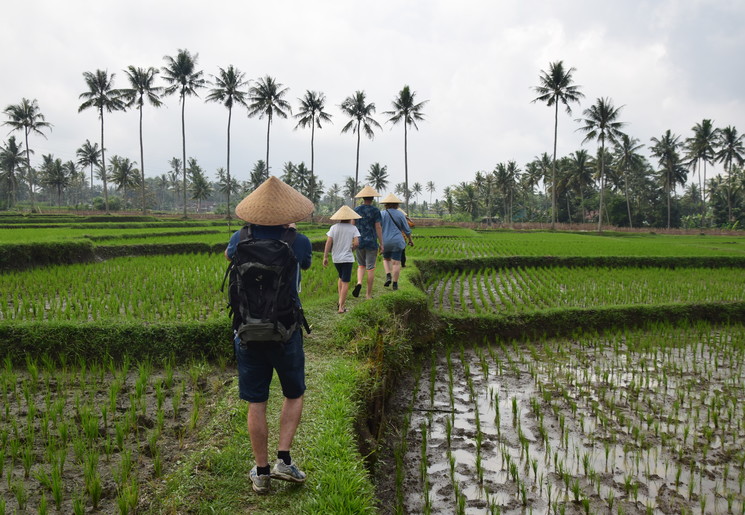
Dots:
(342, 239)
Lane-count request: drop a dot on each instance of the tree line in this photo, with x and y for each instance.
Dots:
(262, 98)
(616, 184)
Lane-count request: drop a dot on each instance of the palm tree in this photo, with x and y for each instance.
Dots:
(556, 88)
(377, 177)
(162, 183)
(11, 159)
(258, 174)
(102, 95)
(350, 188)
(181, 73)
(579, 169)
(311, 115)
(505, 181)
(226, 186)
(466, 198)
(672, 171)
(601, 123)
(176, 170)
(27, 117)
(89, 155)
(449, 202)
(228, 90)
(76, 182)
(407, 110)
(700, 150)
(200, 187)
(125, 175)
(416, 190)
(142, 88)
(360, 113)
(54, 175)
(332, 195)
(731, 150)
(289, 174)
(266, 99)
(431, 188)
(627, 157)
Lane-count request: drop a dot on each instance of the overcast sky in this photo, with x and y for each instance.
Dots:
(670, 63)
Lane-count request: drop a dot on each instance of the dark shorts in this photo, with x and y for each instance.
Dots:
(345, 271)
(257, 362)
(395, 255)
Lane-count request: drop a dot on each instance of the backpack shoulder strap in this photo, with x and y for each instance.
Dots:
(289, 236)
(394, 221)
(246, 233)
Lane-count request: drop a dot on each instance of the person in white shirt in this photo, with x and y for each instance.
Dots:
(342, 239)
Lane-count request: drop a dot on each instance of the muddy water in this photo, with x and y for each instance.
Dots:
(587, 426)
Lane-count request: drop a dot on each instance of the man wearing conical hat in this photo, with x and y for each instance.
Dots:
(395, 228)
(371, 232)
(341, 240)
(270, 211)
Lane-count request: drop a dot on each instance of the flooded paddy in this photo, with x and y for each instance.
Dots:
(634, 422)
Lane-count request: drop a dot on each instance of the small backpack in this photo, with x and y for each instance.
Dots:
(262, 298)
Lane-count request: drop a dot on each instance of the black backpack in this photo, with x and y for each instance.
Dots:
(262, 297)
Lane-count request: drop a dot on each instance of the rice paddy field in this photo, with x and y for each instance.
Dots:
(162, 288)
(631, 422)
(644, 420)
(516, 290)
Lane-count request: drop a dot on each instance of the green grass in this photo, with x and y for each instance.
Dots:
(214, 478)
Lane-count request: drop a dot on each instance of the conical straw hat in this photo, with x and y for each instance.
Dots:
(345, 213)
(274, 203)
(367, 191)
(391, 199)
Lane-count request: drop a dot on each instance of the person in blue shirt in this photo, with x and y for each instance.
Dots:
(371, 233)
(395, 228)
(272, 209)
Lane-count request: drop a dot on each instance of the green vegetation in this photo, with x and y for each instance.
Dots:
(519, 290)
(92, 338)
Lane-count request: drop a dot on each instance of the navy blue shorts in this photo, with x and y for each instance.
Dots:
(257, 361)
(345, 271)
(395, 255)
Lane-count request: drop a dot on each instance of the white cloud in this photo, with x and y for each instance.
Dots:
(670, 64)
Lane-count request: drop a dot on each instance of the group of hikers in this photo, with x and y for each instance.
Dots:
(267, 256)
(367, 231)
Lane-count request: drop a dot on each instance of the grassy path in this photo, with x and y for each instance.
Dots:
(213, 476)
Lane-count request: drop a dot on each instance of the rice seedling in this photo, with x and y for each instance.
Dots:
(43, 507)
(21, 494)
(27, 459)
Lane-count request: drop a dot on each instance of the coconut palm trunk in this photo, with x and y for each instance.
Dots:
(553, 167)
(183, 146)
(142, 168)
(268, 126)
(29, 173)
(406, 166)
(230, 116)
(626, 192)
(357, 162)
(103, 168)
(602, 182)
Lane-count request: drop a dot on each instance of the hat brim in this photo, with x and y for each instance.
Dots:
(274, 203)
